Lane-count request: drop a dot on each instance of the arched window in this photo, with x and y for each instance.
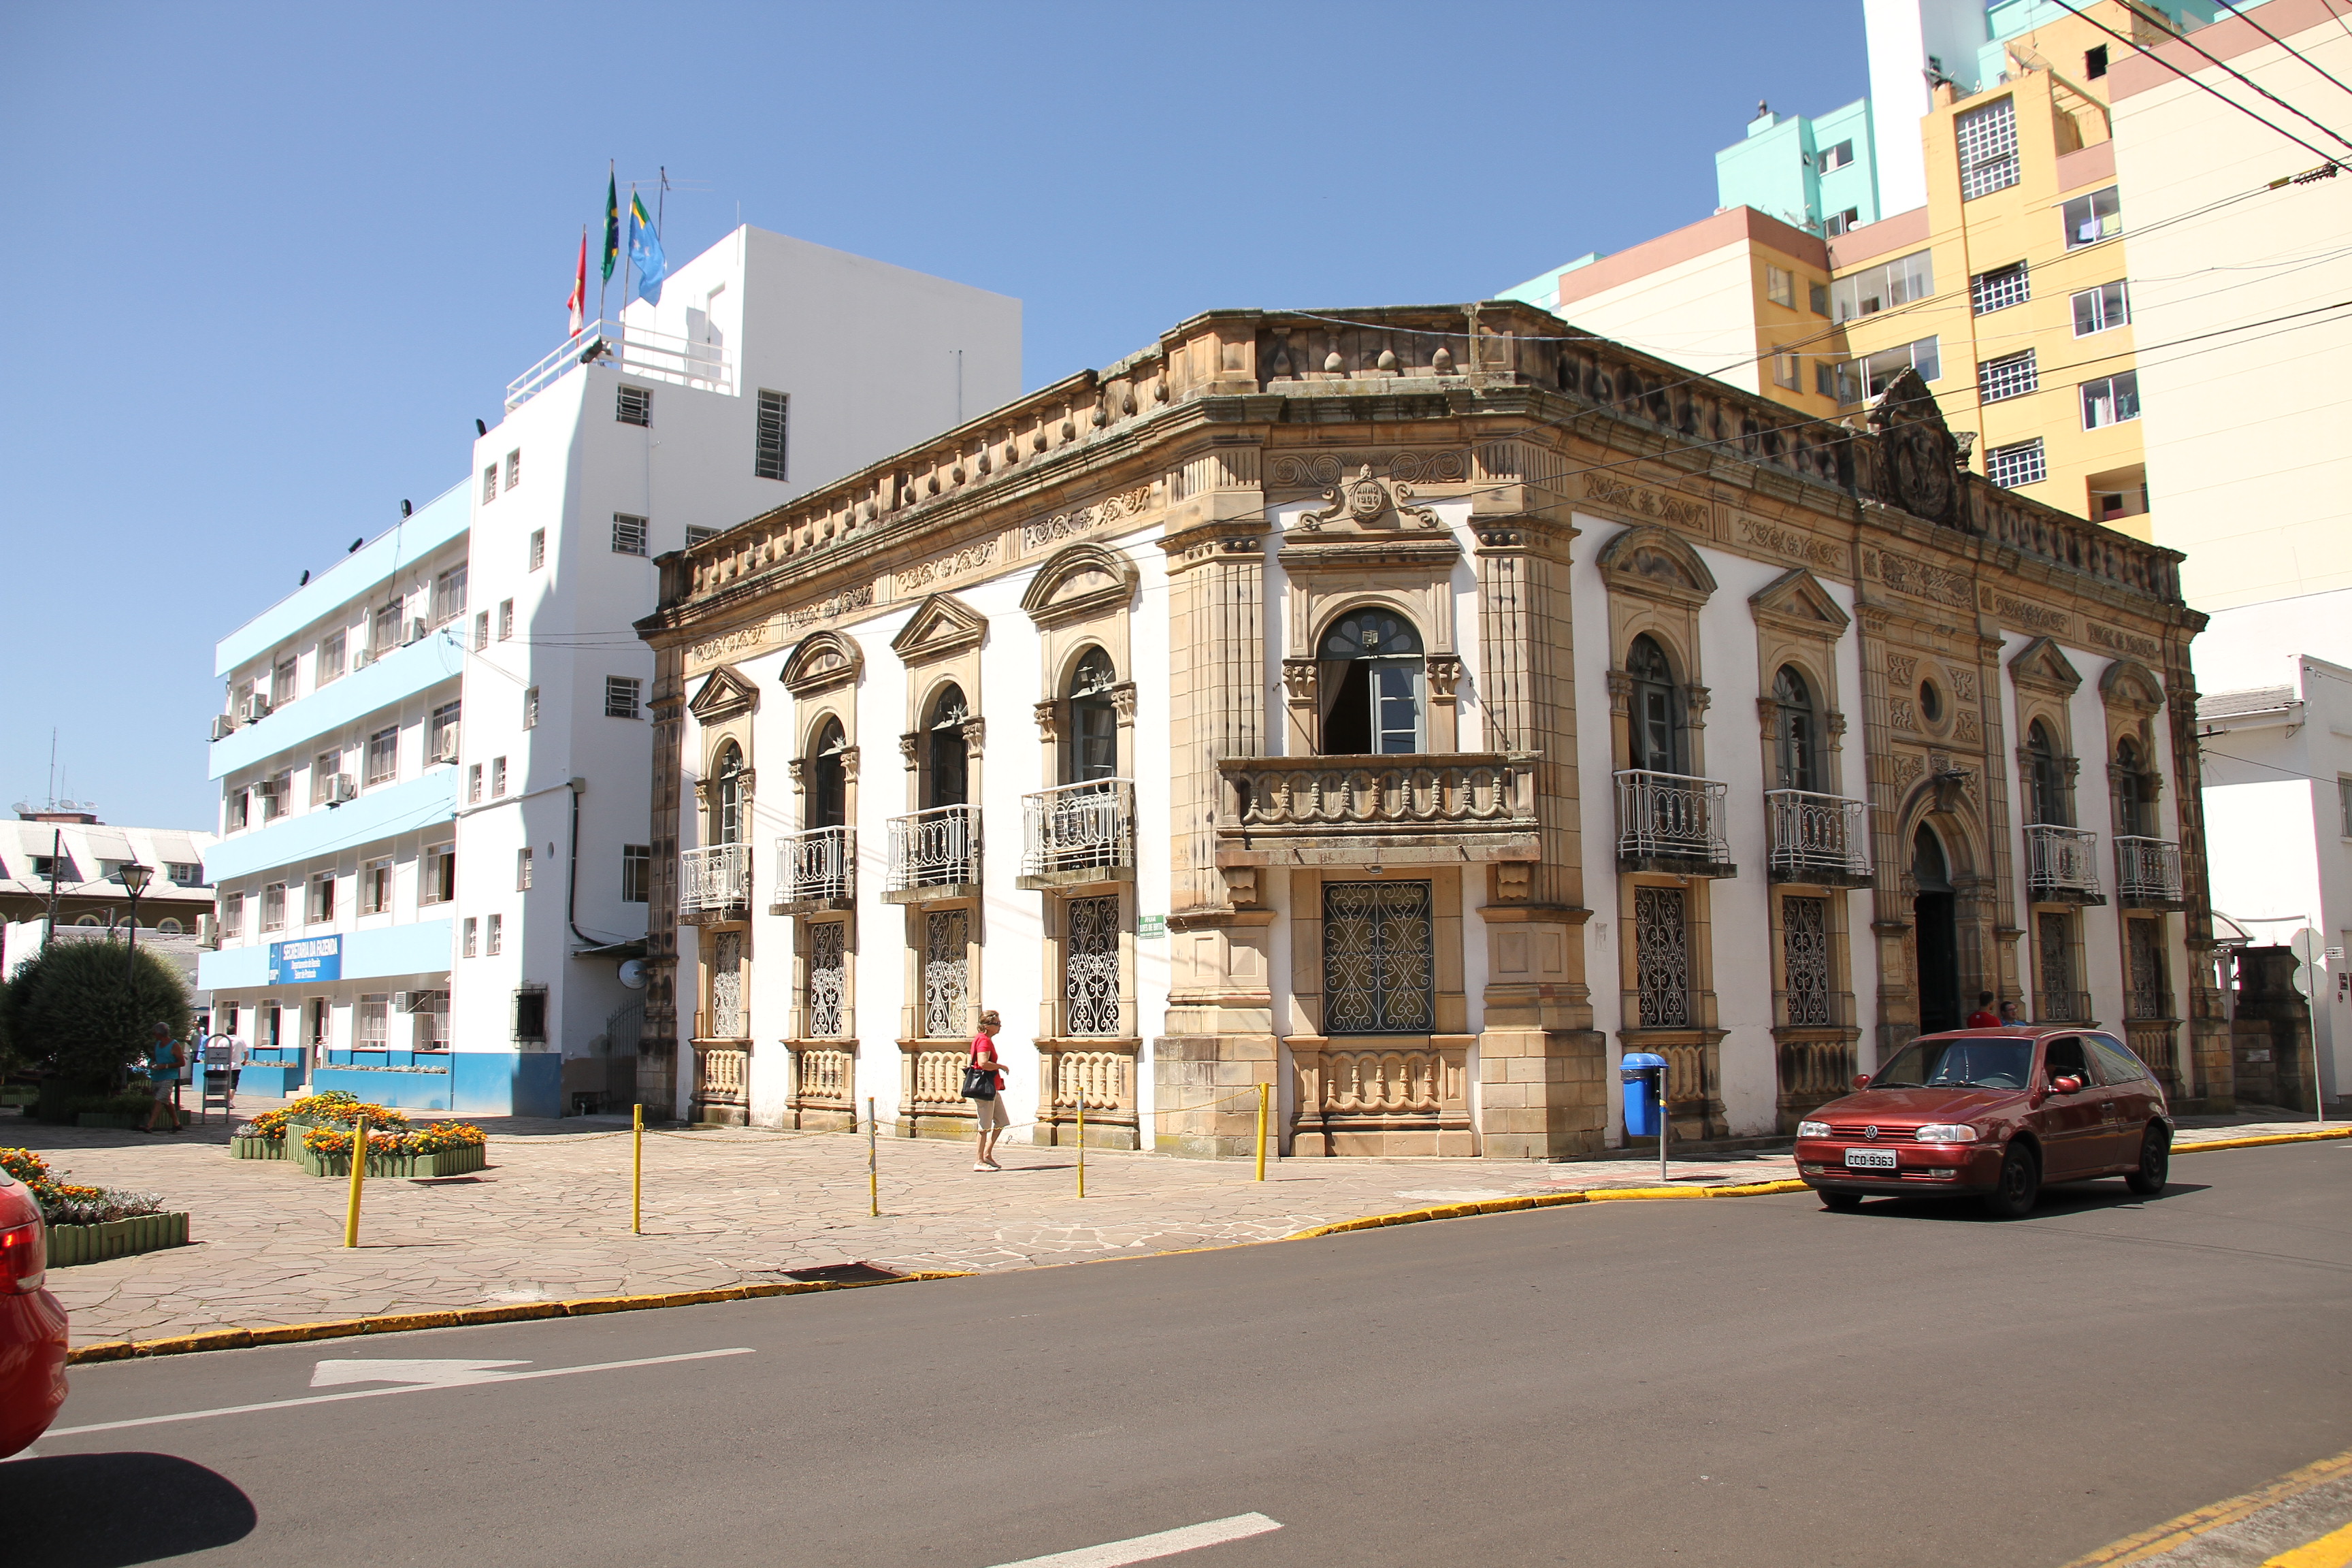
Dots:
(1796, 733)
(89, 920)
(945, 775)
(168, 926)
(2046, 777)
(1370, 665)
(2135, 792)
(727, 824)
(1656, 720)
(1091, 748)
(828, 794)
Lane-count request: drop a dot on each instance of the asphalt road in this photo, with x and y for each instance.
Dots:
(1752, 1382)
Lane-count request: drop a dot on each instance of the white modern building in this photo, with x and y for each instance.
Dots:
(434, 759)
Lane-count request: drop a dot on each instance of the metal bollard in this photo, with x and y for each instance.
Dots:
(637, 1171)
(1261, 1129)
(873, 1179)
(359, 1172)
(1082, 1143)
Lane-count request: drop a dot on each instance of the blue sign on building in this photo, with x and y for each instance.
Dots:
(299, 962)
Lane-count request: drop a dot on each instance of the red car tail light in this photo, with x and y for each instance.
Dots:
(24, 1258)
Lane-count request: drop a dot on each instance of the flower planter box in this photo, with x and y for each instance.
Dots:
(108, 1119)
(413, 1167)
(72, 1244)
(256, 1148)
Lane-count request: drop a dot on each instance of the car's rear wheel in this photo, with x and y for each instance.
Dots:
(2020, 1185)
(1841, 1200)
(2154, 1163)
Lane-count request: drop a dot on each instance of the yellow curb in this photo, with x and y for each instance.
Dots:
(2313, 1136)
(2177, 1533)
(1542, 1201)
(2333, 1549)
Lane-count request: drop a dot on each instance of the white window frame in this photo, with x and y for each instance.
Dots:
(2027, 462)
(2011, 376)
(630, 533)
(623, 697)
(2108, 393)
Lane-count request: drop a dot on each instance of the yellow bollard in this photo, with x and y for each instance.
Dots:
(1261, 1129)
(637, 1171)
(359, 1172)
(1082, 1143)
(873, 1180)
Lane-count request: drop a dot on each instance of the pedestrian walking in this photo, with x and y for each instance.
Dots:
(163, 1062)
(1983, 1018)
(983, 1085)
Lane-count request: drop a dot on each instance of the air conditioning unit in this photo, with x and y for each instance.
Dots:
(223, 726)
(269, 789)
(253, 710)
(448, 751)
(362, 658)
(207, 931)
(342, 787)
(415, 633)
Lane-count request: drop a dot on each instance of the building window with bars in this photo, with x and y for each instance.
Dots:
(628, 535)
(383, 757)
(494, 937)
(2021, 464)
(637, 872)
(481, 631)
(696, 534)
(2001, 287)
(472, 940)
(1661, 958)
(2111, 400)
(1805, 963)
(1988, 143)
(505, 619)
(947, 973)
(2147, 995)
(2011, 376)
(2053, 935)
(530, 706)
(489, 484)
(538, 548)
(2096, 310)
(522, 870)
(497, 777)
(514, 468)
(769, 449)
(1378, 974)
(727, 1019)
(1090, 967)
(2091, 218)
(828, 981)
(623, 696)
(633, 405)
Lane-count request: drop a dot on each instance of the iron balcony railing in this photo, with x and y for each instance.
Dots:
(1079, 827)
(716, 880)
(2147, 869)
(1673, 815)
(819, 864)
(2062, 860)
(2063, 1007)
(935, 849)
(1818, 835)
(635, 350)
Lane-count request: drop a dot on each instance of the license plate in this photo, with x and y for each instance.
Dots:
(1869, 1159)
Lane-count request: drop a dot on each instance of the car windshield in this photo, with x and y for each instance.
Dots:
(1954, 1064)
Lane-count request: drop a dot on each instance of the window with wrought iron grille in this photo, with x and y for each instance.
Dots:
(1661, 958)
(2001, 287)
(828, 980)
(623, 696)
(633, 405)
(637, 872)
(2021, 464)
(628, 535)
(2096, 310)
(2146, 996)
(1988, 143)
(2011, 376)
(1805, 962)
(2053, 936)
(1378, 976)
(947, 972)
(2111, 400)
(1090, 967)
(769, 449)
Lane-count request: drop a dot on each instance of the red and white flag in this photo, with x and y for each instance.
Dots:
(579, 301)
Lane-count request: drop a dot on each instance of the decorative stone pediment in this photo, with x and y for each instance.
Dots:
(1657, 563)
(2132, 687)
(821, 662)
(726, 693)
(1919, 460)
(1797, 602)
(1081, 581)
(1362, 501)
(941, 624)
(2041, 665)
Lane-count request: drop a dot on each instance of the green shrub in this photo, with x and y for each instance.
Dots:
(83, 1011)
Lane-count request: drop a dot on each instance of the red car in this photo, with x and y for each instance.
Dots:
(32, 1324)
(1996, 1114)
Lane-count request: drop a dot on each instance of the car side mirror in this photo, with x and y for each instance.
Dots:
(1861, 1080)
(2066, 1085)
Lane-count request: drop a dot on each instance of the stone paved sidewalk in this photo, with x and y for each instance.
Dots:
(548, 1219)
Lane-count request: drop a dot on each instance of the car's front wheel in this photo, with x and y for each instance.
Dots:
(2154, 1163)
(2020, 1185)
(1841, 1200)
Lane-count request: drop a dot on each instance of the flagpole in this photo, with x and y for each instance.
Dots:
(604, 278)
(628, 262)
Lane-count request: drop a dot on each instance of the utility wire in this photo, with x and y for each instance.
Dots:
(2237, 75)
(2191, 79)
(2282, 43)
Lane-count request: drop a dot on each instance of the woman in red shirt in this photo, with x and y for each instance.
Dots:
(993, 1118)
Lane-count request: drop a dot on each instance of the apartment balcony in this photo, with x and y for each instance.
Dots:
(635, 350)
(1819, 839)
(934, 855)
(714, 885)
(1416, 809)
(815, 871)
(2147, 873)
(1078, 833)
(1673, 823)
(2061, 865)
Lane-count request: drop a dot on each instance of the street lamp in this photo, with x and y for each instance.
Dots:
(133, 877)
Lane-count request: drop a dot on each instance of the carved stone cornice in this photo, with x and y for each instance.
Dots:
(1445, 672)
(1049, 719)
(1122, 702)
(911, 746)
(1298, 679)
(975, 736)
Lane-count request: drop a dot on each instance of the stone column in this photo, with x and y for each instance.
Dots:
(2208, 1066)
(657, 1043)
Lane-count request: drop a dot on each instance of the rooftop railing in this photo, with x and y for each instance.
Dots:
(638, 351)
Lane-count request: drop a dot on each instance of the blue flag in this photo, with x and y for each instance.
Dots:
(646, 252)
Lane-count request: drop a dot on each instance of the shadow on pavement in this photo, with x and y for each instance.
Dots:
(100, 1510)
(2088, 1198)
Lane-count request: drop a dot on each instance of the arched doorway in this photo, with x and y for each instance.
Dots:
(1934, 924)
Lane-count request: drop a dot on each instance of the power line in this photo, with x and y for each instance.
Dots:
(2282, 43)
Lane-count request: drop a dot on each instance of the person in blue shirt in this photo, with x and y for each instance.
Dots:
(163, 1062)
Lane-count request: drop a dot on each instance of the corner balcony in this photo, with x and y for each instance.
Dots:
(1823, 839)
(1416, 809)
(2061, 865)
(634, 351)
(1673, 823)
(2147, 873)
(815, 871)
(714, 885)
(1078, 833)
(934, 856)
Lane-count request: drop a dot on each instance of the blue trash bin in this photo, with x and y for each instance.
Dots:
(1644, 1074)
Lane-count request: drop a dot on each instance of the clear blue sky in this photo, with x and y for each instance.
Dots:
(271, 262)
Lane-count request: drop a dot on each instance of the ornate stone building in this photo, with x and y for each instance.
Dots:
(1415, 709)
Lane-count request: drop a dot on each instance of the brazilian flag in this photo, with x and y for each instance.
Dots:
(612, 225)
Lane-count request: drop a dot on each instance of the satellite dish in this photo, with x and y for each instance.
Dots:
(633, 972)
